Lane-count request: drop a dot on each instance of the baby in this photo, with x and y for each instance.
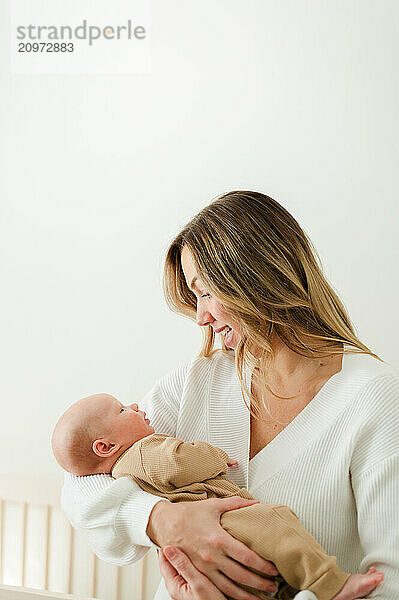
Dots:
(98, 434)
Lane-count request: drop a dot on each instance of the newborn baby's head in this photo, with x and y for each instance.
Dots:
(93, 432)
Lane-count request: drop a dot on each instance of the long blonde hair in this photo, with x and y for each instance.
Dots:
(253, 256)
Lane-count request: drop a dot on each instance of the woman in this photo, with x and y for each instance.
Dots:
(309, 412)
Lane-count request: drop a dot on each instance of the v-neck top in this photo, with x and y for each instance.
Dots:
(336, 464)
(305, 425)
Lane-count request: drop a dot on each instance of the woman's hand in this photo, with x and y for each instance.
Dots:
(195, 529)
(182, 579)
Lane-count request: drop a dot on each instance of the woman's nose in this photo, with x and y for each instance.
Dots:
(203, 317)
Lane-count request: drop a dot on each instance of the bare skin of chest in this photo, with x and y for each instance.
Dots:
(265, 429)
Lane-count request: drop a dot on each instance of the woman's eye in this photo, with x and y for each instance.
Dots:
(206, 296)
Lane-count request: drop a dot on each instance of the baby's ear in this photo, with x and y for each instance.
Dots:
(104, 449)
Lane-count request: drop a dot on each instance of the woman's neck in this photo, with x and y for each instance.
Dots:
(292, 373)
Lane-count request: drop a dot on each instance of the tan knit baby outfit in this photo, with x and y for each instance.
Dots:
(188, 471)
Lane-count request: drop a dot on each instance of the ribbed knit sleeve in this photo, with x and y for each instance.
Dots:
(375, 483)
(113, 514)
(377, 493)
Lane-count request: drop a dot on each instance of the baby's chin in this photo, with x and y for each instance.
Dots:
(150, 431)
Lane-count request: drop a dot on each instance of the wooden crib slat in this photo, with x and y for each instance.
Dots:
(91, 591)
(47, 545)
(48, 554)
(1, 537)
(23, 561)
(69, 558)
(118, 584)
(140, 579)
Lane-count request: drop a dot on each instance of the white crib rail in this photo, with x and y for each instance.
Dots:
(39, 549)
(9, 592)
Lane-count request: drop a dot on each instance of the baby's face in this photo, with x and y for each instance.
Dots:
(125, 424)
(128, 423)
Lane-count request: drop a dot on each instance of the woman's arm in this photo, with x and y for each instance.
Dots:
(376, 492)
(375, 483)
(113, 514)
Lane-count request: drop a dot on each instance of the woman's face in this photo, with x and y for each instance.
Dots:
(210, 311)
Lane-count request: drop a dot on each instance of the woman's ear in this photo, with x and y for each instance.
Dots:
(104, 449)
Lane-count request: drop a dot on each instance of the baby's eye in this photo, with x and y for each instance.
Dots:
(122, 409)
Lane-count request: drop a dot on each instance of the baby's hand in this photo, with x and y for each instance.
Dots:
(231, 462)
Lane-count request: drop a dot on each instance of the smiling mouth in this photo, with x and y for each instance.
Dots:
(223, 330)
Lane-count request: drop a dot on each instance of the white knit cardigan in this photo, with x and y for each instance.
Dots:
(336, 464)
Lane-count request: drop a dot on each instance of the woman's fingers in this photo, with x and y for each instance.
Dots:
(231, 589)
(239, 574)
(183, 581)
(233, 502)
(173, 580)
(181, 563)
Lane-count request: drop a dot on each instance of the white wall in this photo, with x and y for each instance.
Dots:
(297, 99)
